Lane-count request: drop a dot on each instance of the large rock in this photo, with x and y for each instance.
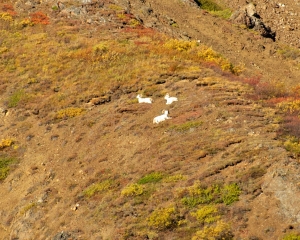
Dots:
(248, 16)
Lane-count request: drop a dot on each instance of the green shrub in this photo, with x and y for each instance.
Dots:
(15, 98)
(162, 218)
(175, 178)
(230, 193)
(207, 214)
(151, 178)
(4, 166)
(133, 190)
(209, 5)
(211, 194)
(200, 195)
(97, 187)
(220, 230)
(292, 236)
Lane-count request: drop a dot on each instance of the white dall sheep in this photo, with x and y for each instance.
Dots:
(170, 99)
(161, 118)
(144, 100)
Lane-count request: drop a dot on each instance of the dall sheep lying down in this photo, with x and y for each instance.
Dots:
(170, 99)
(161, 118)
(143, 100)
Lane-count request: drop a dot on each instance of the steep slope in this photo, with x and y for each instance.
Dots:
(88, 163)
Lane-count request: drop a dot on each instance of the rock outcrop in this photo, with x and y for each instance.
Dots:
(248, 16)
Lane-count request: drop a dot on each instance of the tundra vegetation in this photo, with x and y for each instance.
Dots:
(69, 69)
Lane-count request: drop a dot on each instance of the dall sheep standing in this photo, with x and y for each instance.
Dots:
(170, 99)
(144, 100)
(162, 117)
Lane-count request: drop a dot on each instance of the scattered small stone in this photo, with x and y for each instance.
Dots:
(75, 208)
(54, 137)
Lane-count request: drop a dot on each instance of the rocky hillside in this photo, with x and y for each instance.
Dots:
(80, 157)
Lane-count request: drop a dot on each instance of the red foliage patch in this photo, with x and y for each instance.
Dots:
(253, 81)
(39, 18)
(9, 9)
(274, 101)
(291, 126)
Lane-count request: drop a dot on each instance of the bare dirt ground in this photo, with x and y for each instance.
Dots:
(236, 142)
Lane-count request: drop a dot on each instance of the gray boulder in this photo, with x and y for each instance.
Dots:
(247, 15)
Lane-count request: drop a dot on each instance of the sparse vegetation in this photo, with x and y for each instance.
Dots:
(5, 163)
(230, 193)
(97, 188)
(291, 236)
(25, 209)
(186, 126)
(69, 113)
(15, 98)
(220, 230)
(174, 178)
(151, 178)
(79, 62)
(134, 189)
(198, 194)
(162, 218)
(207, 214)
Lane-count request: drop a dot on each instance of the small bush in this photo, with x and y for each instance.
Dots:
(230, 193)
(175, 178)
(290, 126)
(69, 113)
(133, 190)
(39, 18)
(5, 162)
(9, 9)
(292, 236)
(209, 55)
(220, 230)
(292, 145)
(151, 178)
(6, 17)
(100, 48)
(26, 22)
(6, 143)
(267, 90)
(15, 98)
(162, 218)
(180, 45)
(96, 188)
(289, 106)
(200, 195)
(212, 194)
(207, 214)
